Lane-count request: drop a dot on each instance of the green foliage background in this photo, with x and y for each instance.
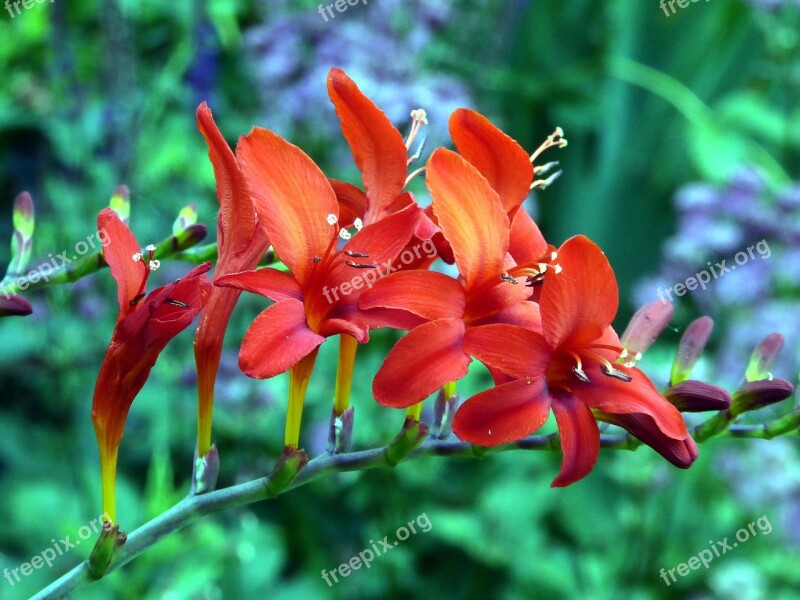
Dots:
(94, 94)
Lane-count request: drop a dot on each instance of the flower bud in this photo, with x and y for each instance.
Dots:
(763, 357)
(696, 396)
(340, 434)
(14, 306)
(690, 348)
(646, 325)
(753, 395)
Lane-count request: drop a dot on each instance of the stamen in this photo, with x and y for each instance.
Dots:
(543, 184)
(544, 169)
(174, 302)
(554, 139)
(154, 264)
(509, 278)
(578, 368)
(418, 118)
(356, 265)
(414, 174)
(150, 248)
(356, 254)
(612, 372)
(332, 219)
(414, 157)
(136, 299)
(137, 257)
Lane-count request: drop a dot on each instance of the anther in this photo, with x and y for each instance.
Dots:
(154, 264)
(344, 234)
(332, 219)
(356, 254)
(316, 260)
(136, 299)
(174, 302)
(580, 374)
(356, 265)
(358, 224)
(612, 372)
(509, 278)
(137, 257)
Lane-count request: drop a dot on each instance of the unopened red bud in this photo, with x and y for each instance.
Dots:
(696, 396)
(646, 325)
(753, 395)
(691, 346)
(14, 306)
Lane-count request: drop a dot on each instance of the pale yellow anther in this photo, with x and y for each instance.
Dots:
(358, 224)
(137, 257)
(332, 219)
(344, 234)
(154, 264)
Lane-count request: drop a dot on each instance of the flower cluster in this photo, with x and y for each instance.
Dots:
(538, 317)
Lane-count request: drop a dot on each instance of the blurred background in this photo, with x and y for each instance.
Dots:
(684, 148)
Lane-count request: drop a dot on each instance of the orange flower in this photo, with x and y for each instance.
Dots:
(145, 325)
(241, 244)
(570, 367)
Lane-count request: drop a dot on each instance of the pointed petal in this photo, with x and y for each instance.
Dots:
(526, 242)
(470, 214)
(500, 159)
(513, 350)
(502, 414)
(680, 452)
(377, 147)
(420, 363)
(118, 253)
(579, 303)
(292, 198)
(277, 339)
(237, 217)
(428, 294)
(637, 396)
(275, 285)
(385, 239)
(580, 439)
(352, 201)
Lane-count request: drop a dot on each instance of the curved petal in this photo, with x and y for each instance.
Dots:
(580, 302)
(275, 285)
(470, 215)
(277, 339)
(502, 414)
(680, 452)
(500, 159)
(638, 396)
(513, 350)
(237, 217)
(580, 439)
(385, 239)
(428, 294)
(292, 197)
(352, 202)
(377, 147)
(526, 242)
(118, 253)
(420, 363)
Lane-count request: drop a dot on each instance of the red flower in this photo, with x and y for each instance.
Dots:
(144, 327)
(570, 368)
(319, 297)
(439, 309)
(241, 244)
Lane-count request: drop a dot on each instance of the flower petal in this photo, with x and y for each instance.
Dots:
(513, 350)
(638, 396)
(352, 202)
(470, 215)
(277, 339)
(502, 414)
(118, 253)
(526, 243)
(377, 147)
(500, 159)
(579, 303)
(680, 452)
(580, 439)
(428, 294)
(237, 218)
(420, 363)
(275, 285)
(292, 197)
